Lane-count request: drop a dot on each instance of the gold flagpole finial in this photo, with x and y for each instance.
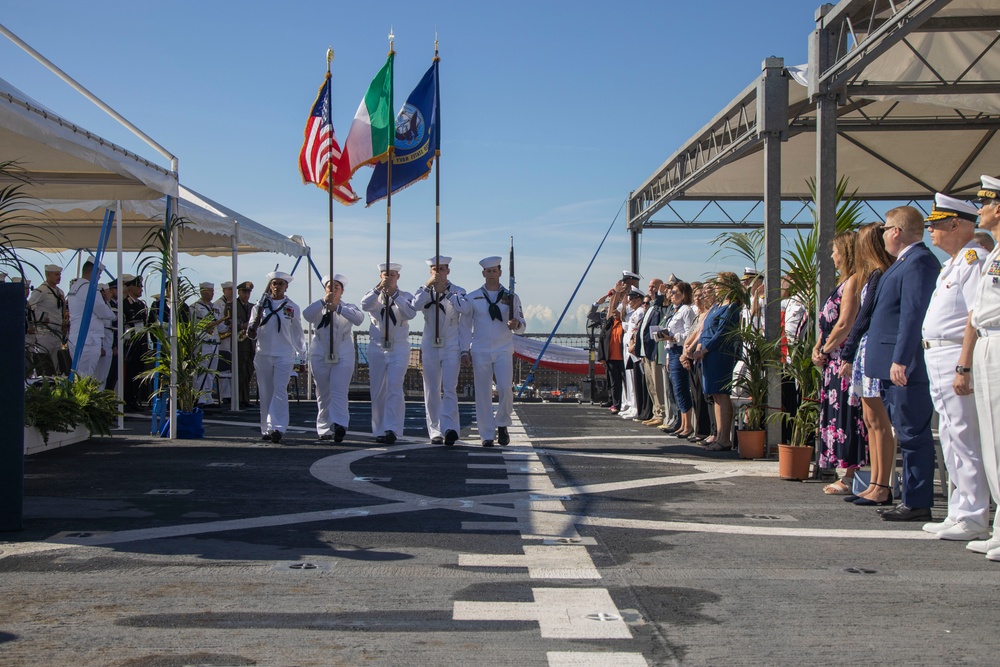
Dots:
(392, 38)
(329, 55)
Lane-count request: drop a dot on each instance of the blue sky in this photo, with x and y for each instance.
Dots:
(552, 112)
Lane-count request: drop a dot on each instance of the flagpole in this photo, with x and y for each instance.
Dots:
(391, 130)
(437, 216)
(331, 354)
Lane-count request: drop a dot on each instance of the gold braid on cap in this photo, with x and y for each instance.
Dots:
(937, 215)
(987, 194)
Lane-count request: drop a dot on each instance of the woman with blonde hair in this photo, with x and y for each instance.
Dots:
(872, 259)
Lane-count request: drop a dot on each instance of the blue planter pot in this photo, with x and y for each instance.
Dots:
(189, 425)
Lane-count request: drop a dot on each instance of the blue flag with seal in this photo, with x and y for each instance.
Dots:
(417, 142)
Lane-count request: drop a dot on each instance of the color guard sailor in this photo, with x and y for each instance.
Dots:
(224, 305)
(204, 309)
(389, 311)
(332, 368)
(488, 345)
(90, 349)
(442, 304)
(48, 302)
(276, 325)
(952, 226)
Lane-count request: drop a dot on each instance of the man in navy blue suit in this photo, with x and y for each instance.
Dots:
(894, 354)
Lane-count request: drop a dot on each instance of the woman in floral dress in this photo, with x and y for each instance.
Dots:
(841, 427)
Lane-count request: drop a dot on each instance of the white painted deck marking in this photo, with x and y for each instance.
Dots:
(561, 613)
(543, 562)
(580, 659)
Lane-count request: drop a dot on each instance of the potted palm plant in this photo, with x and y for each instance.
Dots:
(795, 456)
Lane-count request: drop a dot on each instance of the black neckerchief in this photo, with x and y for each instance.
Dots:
(272, 311)
(388, 303)
(495, 313)
(437, 299)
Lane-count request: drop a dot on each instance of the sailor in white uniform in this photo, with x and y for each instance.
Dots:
(205, 309)
(224, 306)
(91, 350)
(489, 331)
(49, 305)
(331, 372)
(442, 304)
(389, 311)
(952, 226)
(108, 330)
(981, 351)
(276, 325)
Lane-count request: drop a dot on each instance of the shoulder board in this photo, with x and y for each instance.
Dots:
(971, 256)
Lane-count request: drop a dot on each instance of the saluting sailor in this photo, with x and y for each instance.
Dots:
(205, 310)
(332, 317)
(981, 351)
(224, 305)
(488, 344)
(51, 320)
(442, 304)
(389, 310)
(952, 226)
(276, 325)
(91, 350)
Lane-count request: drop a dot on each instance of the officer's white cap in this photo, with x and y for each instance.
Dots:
(102, 286)
(205, 286)
(991, 187)
(439, 260)
(227, 285)
(126, 278)
(392, 267)
(630, 275)
(279, 275)
(338, 277)
(490, 262)
(53, 268)
(948, 207)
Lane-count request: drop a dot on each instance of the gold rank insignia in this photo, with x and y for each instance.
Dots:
(971, 256)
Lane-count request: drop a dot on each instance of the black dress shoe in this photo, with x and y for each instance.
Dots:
(450, 437)
(390, 437)
(906, 513)
(325, 437)
(606, 404)
(437, 441)
(338, 433)
(487, 443)
(266, 437)
(672, 427)
(380, 439)
(275, 437)
(502, 436)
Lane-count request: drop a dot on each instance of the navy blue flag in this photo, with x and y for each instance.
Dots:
(418, 138)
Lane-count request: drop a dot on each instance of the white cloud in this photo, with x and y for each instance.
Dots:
(538, 317)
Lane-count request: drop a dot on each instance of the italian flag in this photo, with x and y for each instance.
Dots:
(374, 126)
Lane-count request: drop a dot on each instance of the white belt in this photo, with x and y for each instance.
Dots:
(987, 332)
(940, 342)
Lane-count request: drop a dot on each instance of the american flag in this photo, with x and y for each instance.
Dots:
(320, 150)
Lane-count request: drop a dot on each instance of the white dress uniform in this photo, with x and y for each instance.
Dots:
(204, 382)
(279, 339)
(225, 376)
(630, 323)
(48, 304)
(332, 377)
(387, 364)
(942, 332)
(491, 345)
(91, 352)
(441, 361)
(107, 340)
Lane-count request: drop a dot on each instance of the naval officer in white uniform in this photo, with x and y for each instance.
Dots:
(332, 316)
(204, 309)
(276, 325)
(224, 306)
(952, 226)
(489, 329)
(389, 311)
(442, 304)
(981, 351)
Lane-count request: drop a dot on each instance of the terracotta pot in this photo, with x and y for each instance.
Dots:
(793, 462)
(751, 444)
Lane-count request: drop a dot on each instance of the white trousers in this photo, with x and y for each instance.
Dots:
(91, 354)
(103, 366)
(958, 430)
(986, 382)
(486, 366)
(332, 383)
(204, 382)
(273, 374)
(386, 370)
(441, 366)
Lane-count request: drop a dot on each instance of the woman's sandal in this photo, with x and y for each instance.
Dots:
(838, 488)
(718, 447)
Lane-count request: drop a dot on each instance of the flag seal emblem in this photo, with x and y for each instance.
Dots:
(410, 128)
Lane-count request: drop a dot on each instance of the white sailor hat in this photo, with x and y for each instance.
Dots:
(103, 286)
(227, 285)
(948, 207)
(490, 262)
(206, 286)
(990, 190)
(393, 266)
(337, 277)
(438, 260)
(53, 268)
(279, 275)
(630, 275)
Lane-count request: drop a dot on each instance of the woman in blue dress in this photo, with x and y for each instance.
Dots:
(717, 349)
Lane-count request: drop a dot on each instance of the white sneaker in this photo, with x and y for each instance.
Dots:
(983, 546)
(993, 554)
(964, 531)
(935, 528)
